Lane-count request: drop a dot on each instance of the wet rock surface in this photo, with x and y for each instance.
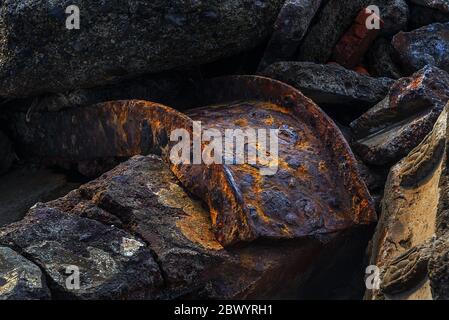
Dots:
(411, 240)
(428, 45)
(48, 57)
(330, 84)
(20, 279)
(392, 128)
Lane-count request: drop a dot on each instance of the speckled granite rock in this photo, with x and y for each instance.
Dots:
(120, 39)
(428, 45)
(20, 279)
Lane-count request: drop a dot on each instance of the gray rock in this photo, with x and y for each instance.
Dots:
(112, 263)
(142, 197)
(291, 26)
(442, 5)
(331, 23)
(120, 39)
(395, 15)
(381, 60)
(331, 84)
(20, 279)
(428, 45)
(392, 128)
(6, 153)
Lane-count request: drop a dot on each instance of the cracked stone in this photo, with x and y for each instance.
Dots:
(392, 128)
(20, 279)
(428, 45)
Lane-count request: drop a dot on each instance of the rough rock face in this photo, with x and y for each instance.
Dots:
(442, 5)
(394, 14)
(381, 58)
(172, 252)
(411, 243)
(428, 45)
(392, 128)
(112, 263)
(331, 23)
(6, 153)
(330, 84)
(20, 278)
(291, 26)
(244, 203)
(120, 39)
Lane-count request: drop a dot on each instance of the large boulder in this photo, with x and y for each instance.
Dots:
(135, 233)
(331, 84)
(391, 129)
(120, 39)
(411, 243)
(20, 279)
(428, 45)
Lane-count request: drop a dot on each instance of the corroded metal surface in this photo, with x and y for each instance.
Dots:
(316, 191)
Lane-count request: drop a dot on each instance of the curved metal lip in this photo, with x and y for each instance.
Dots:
(114, 129)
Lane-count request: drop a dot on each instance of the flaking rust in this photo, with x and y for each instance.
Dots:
(316, 190)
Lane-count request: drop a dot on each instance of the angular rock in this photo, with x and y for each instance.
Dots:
(423, 16)
(392, 128)
(381, 60)
(428, 45)
(330, 84)
(442, 5)
(112, 264)
(412, 239)
(352, 47)
(142, 197)
(331, 23)
(291, 26)
(395, 15)
(6, 153)
(244, 203)
(120, 39)
(20, 279)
